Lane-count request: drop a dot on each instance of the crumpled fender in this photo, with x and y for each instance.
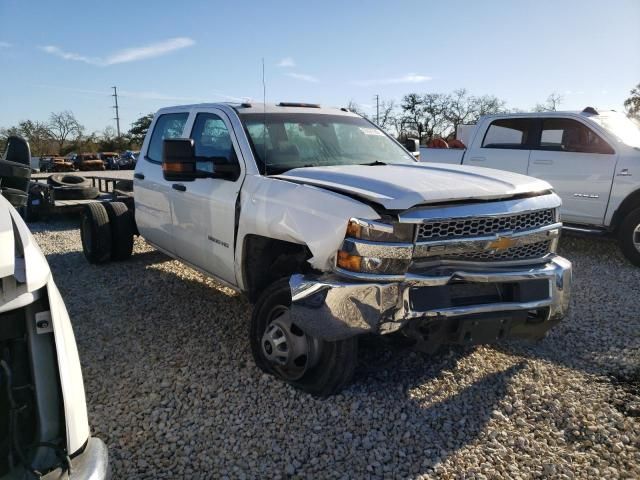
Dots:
(75, 405)
(296, 213)
(33, 273)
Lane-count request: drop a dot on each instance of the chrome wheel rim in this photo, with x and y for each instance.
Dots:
(286, 347)
(636, 237)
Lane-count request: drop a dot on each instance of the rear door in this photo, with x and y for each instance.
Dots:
(506, 145)
(579, 163)
(204, 210)
(152, 191)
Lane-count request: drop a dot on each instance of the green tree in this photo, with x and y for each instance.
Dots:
(139, 129)
(632, 104)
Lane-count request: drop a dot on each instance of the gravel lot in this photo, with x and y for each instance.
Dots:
(173, 390)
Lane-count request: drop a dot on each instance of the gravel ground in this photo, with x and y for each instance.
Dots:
(173, 390)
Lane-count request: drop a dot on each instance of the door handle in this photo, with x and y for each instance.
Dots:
(543, 162)
(179, 187)
(477, 159)
(139, 176)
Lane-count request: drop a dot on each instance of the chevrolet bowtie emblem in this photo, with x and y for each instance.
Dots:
(502, 243)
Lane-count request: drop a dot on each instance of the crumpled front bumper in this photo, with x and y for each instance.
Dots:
(91, 464)
(332, 307)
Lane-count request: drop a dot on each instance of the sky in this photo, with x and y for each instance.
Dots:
(66, 55)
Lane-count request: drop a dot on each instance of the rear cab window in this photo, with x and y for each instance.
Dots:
(509, 133)
(168, 125)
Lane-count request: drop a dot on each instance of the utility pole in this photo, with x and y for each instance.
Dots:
(377, 109)
(117, 119)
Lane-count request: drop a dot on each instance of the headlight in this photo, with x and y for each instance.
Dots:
(380, 232)
(376, 247)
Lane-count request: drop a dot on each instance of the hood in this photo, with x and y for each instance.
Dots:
(402, 186)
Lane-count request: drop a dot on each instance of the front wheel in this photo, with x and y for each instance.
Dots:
(283, 349)
(629, 236)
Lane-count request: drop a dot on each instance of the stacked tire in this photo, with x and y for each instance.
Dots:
(72, 187)
(107, 231)
(14, 182)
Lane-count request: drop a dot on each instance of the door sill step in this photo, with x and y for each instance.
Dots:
(585, 230)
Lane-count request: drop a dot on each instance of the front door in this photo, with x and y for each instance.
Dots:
(204, 210)
(579, 164)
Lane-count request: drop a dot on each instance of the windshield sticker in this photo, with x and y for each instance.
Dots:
(371, 131)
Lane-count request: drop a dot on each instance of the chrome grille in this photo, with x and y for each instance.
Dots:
(524, 252)
(478, 226)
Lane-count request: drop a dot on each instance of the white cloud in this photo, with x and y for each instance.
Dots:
(408, 78)
(5, 45)
(302, 76)
(287, 62)
(149, 51)
(58, 52)
(124, 56)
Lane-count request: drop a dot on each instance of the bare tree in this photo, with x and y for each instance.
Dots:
(36, 133)
(461, 108)
(355, 108)
(551, 105)
(632, 104)
(63, 126)
(387, 117)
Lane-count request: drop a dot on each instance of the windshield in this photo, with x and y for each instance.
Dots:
(314, 140)
(621, 126)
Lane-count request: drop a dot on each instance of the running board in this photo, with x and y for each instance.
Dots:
(585, 230)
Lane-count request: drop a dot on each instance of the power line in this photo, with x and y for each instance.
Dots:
(117, 119)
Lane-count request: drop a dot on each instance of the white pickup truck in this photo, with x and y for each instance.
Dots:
(334, 231)
(591, 158)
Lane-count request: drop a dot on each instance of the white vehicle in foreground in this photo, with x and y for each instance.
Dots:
(44, 432)
(592, 160)
(334, 231)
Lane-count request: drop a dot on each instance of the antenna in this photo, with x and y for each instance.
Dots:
(264, 118)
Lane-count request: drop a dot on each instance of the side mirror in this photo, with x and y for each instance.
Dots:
(180, 163)
(17, 151)
(178, 160)
(413, 145)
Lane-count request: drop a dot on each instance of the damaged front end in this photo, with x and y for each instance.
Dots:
(459, 274)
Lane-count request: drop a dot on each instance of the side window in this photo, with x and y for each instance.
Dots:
(211, 138)
(566, 135)
(169, 125)
(508, 133)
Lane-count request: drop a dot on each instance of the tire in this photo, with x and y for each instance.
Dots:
(17, 198)
(122, 230)
(629, 236)
(72, 193)
(330, 366)
(14, 175)
(67, 180)
(95, 232)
